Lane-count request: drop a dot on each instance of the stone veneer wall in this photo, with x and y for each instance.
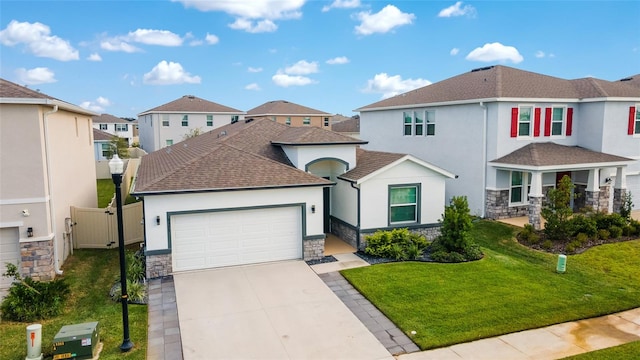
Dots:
(158, 265)
(344, 231)
(313, 249)
(498, 206)
(535, 211)
(598, 200)
(618, 199)
(36, 260)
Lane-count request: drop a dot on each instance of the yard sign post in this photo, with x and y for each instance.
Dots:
(116, 167)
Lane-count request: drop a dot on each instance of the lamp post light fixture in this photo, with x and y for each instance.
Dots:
(116, 167)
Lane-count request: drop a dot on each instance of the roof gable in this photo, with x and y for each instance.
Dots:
(282, 107)
(109, 119)
(193, 104)
(9, 89)
(552, 154)
(312, 135)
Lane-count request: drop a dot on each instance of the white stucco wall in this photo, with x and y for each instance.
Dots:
(301, 156)
(345, 202)
(159, 205)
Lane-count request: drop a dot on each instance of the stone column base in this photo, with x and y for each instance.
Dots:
(535, 212)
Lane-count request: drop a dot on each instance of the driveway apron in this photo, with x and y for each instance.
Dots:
(277, 310)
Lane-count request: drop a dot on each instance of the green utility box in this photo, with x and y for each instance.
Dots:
(78, 341)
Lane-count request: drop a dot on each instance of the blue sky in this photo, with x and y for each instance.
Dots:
(125, 57)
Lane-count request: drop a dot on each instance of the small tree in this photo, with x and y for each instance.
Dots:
(557, 210)
(192, 133)
(627, 206)
(121, 145)
(456, 225)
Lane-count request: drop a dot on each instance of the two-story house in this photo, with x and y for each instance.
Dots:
(181, 118)
(46, 166)
(511, 134)
(292, 114)
(116, 126)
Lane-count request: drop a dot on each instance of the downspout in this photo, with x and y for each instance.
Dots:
(484, 159)
(358, 217)
(54, 228)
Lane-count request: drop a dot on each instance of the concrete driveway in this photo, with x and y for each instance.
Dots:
(269, 311)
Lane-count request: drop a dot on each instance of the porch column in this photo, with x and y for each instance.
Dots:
(619, 189)
(592, 193)
(535, 200)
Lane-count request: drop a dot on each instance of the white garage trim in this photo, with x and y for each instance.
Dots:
(235, 236)
(9, 252)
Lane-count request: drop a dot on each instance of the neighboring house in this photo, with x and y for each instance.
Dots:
(292, 114)
(349, 127)
(258, 191)
(172, 122)
(511, 134)
(46, 166)
(116, 126)
(102, 146)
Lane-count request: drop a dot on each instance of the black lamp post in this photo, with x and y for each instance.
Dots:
(116, 167)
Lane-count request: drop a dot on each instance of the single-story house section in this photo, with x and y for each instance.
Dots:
(259, 191)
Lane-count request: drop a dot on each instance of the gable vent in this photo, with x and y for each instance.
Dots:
(627, 79)
(482, 69)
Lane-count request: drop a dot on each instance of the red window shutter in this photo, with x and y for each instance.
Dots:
(547, 122)
(632, 120)
(514, 122)
(536, 122)
(569, 121)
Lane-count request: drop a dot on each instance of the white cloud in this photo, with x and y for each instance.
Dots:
(285, 80)
(252, 16)
(342, 4)
(98, 105)
(94, 57)
(383, 21)
(211, 39)
(302, 67)
(39, 75)
(338, 60)
(196, 42)
(38, 40)
(458, 10)
(390, 86)
(454, 51)
(154, 37)
(169, 73)
(254, 70)
(539, 54)
(253, 86)
(118, 45)
(495, 52)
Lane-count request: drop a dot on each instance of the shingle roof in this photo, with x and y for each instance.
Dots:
(193, 104)
(233, 156)
(110, 119)
(313, 136)
(351, 125)
(282, 107)
(99, 135)
(506, 82)
(552, 154)
(13, 90)
(369, 162)
(633, 80)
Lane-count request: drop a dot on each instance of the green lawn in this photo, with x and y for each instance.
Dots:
(626, 351)
(513, 288)
(90, 274)
(106, 189)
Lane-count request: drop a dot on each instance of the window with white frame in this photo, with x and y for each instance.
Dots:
(103, 126)
(106, 150)
(418, 123)
(209, 120)
(637, 122)
(557, 120)
(122, 127)
(326, 121)
(519, 189)
(168, 142)
(524, 120)
(287, 121)
(234, 119)
(431, 122)
(306, 121)
(404, 203)
(408, 123)
(185, 120)
(165, 119)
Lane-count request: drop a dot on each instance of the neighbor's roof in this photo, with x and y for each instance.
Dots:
(110, 119)
(633, 80)
(282, 107)
(193, 104)
(544, 154)
(99, 135)
(12, 93)
(494, 82)
(234, 156)
(351, 125)
(313, 136)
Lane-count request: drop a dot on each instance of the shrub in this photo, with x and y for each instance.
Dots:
(29, 300)
(635, 224)
(135, 266)
(582, 238)
(584, 224)
(547, 245)
(557, 211)
(573, 246)
(627, 206)
(413, 251)
(615, 231)
(456, 224)
(629, 230)
(605, 221)
(528, 235)
(136, 292)
(447, 257)
(397, 244)
(603, 234)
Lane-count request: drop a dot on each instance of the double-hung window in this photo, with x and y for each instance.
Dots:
(520, 186)
(209, 120)
(637, 122)
(404, 204)
(431, 122)
(106, 150)
(306, 121)
(103, 126)
(557, 120)
(418, 125)
(122, 127)
(287, 121)
(165, 119)
(524, 120)
(326, 121)
(185, 120)
(408, 123)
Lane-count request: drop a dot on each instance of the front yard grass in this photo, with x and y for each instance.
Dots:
(90, 274)
(512, 288)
